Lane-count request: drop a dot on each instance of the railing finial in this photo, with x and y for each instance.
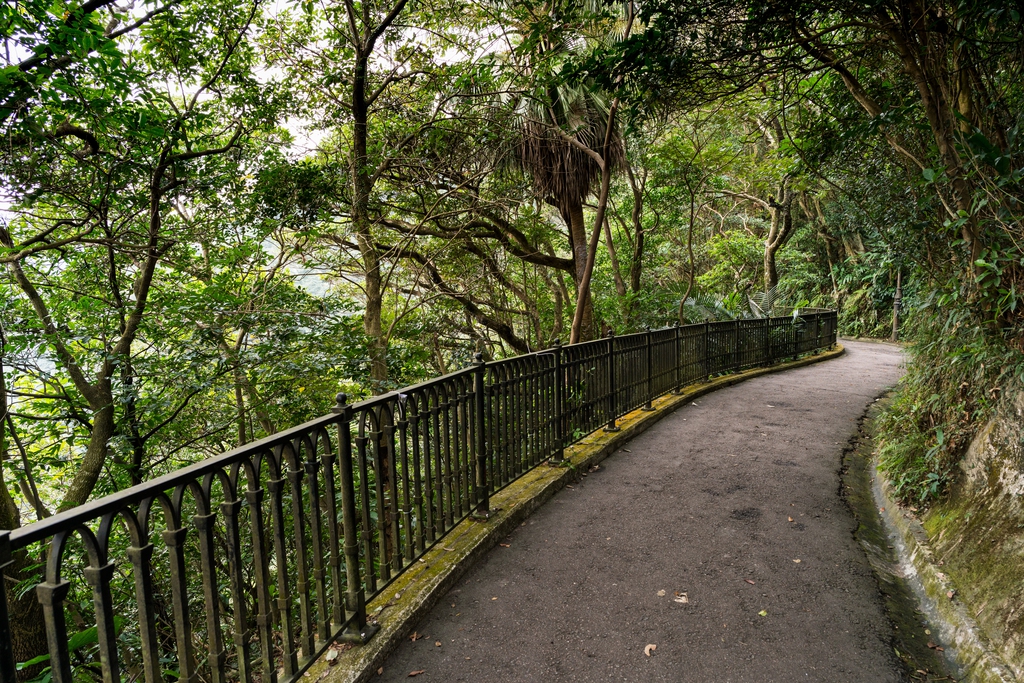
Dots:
(341, 400)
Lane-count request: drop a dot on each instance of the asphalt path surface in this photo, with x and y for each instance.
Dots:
(720, 536)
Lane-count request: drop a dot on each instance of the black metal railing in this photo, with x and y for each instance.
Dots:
(247, 566)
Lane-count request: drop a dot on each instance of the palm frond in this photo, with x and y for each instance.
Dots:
(558, 168)
(762, 304)
(703, 307)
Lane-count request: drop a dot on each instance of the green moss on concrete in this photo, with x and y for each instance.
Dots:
(979, 544)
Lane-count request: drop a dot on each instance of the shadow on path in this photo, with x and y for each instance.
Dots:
(731, 504)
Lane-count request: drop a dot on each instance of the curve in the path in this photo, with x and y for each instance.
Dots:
(733, 502)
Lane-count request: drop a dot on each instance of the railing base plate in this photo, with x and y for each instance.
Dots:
(359, 637)
(484, 516)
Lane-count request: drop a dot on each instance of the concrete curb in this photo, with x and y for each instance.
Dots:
(873, 340)
(412, 595)
(968, 648)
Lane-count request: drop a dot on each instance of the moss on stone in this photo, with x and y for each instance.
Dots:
(978, 542)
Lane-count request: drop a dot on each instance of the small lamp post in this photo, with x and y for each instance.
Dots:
(897, 306)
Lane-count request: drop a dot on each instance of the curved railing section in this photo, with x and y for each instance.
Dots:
(247, 566)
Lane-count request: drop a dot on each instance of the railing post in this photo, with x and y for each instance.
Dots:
(357, 630)
(707, 351)
(767, 344)
(736, 360)
(8, 669)
(795, 340)
(676, 357)
(612, 392)
(52, 596)
(650, 372)
(559, 396)
(483, 499)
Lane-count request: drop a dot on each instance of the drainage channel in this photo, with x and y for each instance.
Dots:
(915, 641)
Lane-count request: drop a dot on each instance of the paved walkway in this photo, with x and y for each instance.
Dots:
(719, 536)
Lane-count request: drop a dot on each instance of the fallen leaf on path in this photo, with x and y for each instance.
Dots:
(494, 598)
(626, 450)
(649, 649)
(881, 509)
(451, 550)
(332, 657)
(417, 672)
(790, 519)
(750, 582)
(661, 594)
(437, 643)
(797, 561)
(505, 545)
(682, 598)
(762, 613)
(415, 636)
(950, 594)
(380, 671)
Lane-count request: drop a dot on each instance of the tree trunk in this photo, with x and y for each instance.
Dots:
(578, 230)
(771, 273)
(240, 410)
(91, 466)
(620, 284)
(779, 233)
(579, 319)
(693, 266)
(372, 283)
(636, 264)
(137, 468)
